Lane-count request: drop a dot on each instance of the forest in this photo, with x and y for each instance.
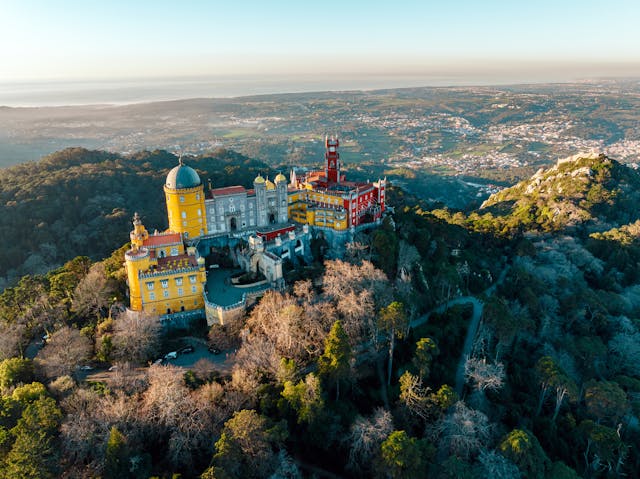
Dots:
(501, 342)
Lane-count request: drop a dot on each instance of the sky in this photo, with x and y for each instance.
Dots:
(115, 39)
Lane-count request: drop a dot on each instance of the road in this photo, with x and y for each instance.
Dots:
(472, 330)
(222, 363)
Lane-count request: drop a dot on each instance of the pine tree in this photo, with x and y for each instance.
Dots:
(116, 456)
(334, 363)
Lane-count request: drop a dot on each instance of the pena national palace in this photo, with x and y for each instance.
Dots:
(176, 273)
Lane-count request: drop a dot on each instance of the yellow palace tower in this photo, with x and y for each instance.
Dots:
(184, 194)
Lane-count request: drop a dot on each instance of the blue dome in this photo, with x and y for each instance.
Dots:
(181, 177)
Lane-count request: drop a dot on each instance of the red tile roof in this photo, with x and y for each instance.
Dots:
(229, 190)
(163, 239)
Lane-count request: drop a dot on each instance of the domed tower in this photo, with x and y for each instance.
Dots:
(184, 193)
(137, 260)
(281, 198)
(260, 187)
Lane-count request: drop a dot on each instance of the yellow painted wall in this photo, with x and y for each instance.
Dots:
(185, 210)
(135, 262)
(155, 301)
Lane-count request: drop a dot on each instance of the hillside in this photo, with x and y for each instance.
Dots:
(80, 202)
(592, 192)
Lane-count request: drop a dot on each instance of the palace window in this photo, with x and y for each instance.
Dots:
(192, 279)
(165, 293)
(180, 292)
(174, 251)
(178, 281)
(197, 196)
(152, 296)
(150, 286)
(194, 289)
(164, 283)
(181, 199)
(184, 215)
(199, 212)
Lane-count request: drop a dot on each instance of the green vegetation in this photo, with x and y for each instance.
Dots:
(342, 373)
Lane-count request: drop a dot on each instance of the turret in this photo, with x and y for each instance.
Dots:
(184, 194)
(332, 160)
(260, 187)
(137, 260)
(139, 233)
(281, 198)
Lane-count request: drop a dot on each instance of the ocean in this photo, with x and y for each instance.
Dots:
(118, 92)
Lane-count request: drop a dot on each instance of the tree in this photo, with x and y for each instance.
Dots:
(497, 466)
(405, 457)
(552, 378)
(465, 431)
(414, 395)
(522, 448)
(93, 293)
(305, 398)
(116, 462)
(335, 362)
(65, 349)
(136, 337)
(426, 350)
(33, 455)
(170, 410)
(14, 371)
(393, 319)
(605, 400)
(604, 448)
(11, 337)
(248, 445)
(365, 438)
(484, 375)
(385, 248)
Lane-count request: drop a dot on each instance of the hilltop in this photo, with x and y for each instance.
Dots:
(588, 191)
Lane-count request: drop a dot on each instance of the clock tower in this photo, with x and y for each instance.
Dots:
(332, 160)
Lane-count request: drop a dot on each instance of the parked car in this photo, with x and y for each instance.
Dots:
(171, 355)
(86, 368)
(158, 361)
(186, 350)
(214, 350)
(113, 368)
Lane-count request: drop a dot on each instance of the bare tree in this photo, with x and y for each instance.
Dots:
(341, 277)
(365, 438)
(11, 336)
(414, 395)
(465, 431)
(497, 466)
(93, 292)
(358, 313)
(65, 349)
(173, 411)
(484, 375)
(136, 336)
(303, 290)
(293, 331)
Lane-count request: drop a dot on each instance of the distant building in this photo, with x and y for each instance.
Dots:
(166, 271)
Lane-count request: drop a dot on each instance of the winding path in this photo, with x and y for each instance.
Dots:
(472, 330)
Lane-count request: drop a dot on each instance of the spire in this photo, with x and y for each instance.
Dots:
(136, 219)
(180, 162)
